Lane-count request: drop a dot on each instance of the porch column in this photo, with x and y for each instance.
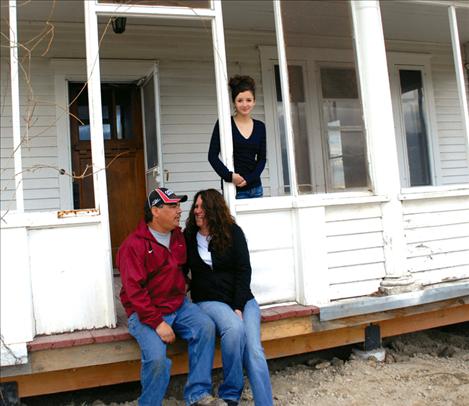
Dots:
(223, 101)
(381, 141)
(459, 70)
(97, 148)
(15, 108)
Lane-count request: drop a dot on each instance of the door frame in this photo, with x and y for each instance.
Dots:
(66, 70)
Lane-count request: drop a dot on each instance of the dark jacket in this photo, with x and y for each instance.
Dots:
(153, 283)
(249, 155)
(229, 280)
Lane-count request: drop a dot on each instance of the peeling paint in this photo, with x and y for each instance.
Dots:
(77, 213)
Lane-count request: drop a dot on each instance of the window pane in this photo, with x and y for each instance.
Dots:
(123, 112)
(330, 142)
(345, 134)
(84, 123)
(300, 135)
(412, 101)
(150, 123)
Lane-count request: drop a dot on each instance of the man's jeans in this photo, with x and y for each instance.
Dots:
(241, 346)
(256, 191)
(191, 324)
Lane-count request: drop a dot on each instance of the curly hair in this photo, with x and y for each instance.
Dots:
(218, 217)
(239, 84)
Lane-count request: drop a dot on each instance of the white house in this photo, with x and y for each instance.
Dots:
(367, 181)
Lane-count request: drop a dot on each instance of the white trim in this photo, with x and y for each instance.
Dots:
(132, 10)
(97, 152)
(274, 156)
(64, 154)
(49, 219)
(430, 192)
(458, 67)
(307, 201)
(223, 102)
(283, 68)
(422, 63)
(438, 3)
(155, 74)
(15, 108)
(159, 134)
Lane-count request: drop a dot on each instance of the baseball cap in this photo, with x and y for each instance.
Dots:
(164, 196)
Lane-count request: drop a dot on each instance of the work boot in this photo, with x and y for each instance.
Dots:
(209, 401)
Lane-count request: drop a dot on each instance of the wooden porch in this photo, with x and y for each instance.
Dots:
(92, 358)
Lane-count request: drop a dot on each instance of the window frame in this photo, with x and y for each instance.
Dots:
(329, 189)
(417, 62)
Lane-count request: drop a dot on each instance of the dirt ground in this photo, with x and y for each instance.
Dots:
(426, 368)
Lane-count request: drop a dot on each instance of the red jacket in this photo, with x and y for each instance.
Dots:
(153, 283)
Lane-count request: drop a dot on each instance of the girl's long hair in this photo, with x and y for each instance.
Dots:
(218, 217)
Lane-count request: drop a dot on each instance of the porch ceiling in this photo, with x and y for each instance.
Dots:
(401, 20)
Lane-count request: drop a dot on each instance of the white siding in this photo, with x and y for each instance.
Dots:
(437, 234)
(354, 250)
(39, 148)
(68, 278)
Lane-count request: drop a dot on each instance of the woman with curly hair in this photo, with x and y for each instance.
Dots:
(218, 259)
(249, 142)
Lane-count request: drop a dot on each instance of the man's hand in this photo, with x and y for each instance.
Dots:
(166, 333)
(239, 313)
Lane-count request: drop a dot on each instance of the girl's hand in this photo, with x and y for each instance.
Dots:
(239, 313)
(237, 179)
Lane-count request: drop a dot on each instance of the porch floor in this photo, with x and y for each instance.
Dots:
(121, 333)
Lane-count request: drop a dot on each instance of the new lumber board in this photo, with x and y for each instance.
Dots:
(126, 371)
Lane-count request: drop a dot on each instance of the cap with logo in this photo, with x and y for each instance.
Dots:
(162, 195)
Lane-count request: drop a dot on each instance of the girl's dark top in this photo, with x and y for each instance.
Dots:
(229, 280)
(249, 155)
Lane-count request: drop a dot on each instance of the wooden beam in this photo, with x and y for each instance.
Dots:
(278, 346)
(319, 325)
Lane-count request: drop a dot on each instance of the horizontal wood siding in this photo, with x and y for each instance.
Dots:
(437, 235)
(355, 254)
(39, 147)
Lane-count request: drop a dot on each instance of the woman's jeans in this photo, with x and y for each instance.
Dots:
(256, 191)
(241, 346)
(191, 324)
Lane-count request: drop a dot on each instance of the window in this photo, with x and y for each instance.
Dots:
(343, 130)
(412, 106)
(413, 100)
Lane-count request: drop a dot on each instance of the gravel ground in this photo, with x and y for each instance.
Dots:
(426, 368)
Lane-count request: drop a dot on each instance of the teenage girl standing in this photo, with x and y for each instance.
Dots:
(249, 142)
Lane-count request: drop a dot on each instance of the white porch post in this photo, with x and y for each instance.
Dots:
(285, 86)
(458, 67)
(223, 100)
(97, 147)
(381, 141)
(15, 108)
